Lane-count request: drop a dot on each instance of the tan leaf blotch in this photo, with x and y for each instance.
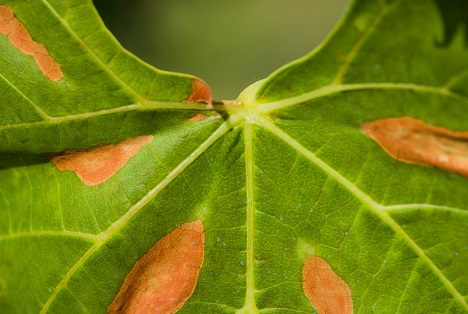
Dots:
(201, 116)
(165, 277)
(99, 164)
(414, 141)
(198, 117)
(20, 38)
(201, 92)
(327, 292)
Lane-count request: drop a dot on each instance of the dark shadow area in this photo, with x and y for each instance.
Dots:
(16, 160)
(454, 14)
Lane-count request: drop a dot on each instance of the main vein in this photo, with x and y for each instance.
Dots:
(249, 305)
(377, 208)
(146, 105)
(105, 236)
(339, 88)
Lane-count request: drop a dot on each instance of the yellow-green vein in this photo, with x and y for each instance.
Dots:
(250, 291)
(122, 221)
(377, 208)
(335, 89)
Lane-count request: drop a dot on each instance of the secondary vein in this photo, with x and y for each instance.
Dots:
(336, 89)
(377, 208)
(39, 233)
(360, 42)
(122, 221)
(90, 52)
(36, 107)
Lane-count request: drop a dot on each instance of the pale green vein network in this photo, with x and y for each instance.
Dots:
(237, 117)
(377, 208)
(122, 221)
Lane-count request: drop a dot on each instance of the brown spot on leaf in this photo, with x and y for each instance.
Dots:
(20, 38)
(201, 116)
(201, 92)
(413, 141)
(100, 163)
(165, 277)
(198, 117)
(327, 292)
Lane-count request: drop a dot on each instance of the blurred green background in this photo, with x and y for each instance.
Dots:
(229, 44)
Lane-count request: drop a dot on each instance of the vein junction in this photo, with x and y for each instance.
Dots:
(254, 116)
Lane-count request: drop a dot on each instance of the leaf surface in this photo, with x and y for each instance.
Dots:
(285, 178)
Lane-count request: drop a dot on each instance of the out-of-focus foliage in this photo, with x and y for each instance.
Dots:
(230, 44)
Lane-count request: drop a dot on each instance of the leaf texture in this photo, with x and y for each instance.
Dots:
(286, 177)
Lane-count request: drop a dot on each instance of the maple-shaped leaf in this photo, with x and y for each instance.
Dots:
(336, 185)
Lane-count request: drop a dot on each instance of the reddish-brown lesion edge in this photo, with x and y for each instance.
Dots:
(327, 292)
(413, 141)
(19, 36)
(163, 279)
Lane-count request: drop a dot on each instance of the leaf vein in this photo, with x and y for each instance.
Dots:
(90, 52)
(113, 229)
(336, 89)
(36, 107)
(377, 208)
(361, 41)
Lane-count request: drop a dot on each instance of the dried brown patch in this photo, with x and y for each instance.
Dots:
(98, 164)
(198, 117)
(413, 141)
(327, 292)
(20, 38)
(165, 277)
(201, 116)
(201, 92)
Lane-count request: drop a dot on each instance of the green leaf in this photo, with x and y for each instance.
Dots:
(105, 93)
(286, 176)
